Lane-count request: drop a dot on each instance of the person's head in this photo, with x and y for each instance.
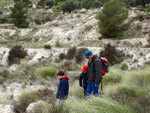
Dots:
(84, 69)
(88, 54)
(60, 74)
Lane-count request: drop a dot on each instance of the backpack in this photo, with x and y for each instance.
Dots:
(105, 66)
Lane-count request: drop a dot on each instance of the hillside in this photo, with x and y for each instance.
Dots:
(57, 41)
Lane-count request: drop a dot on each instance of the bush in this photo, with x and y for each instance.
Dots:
(24, 100)
(124, 66)
(79, 56)
(62, 56)
(70, 5)
(4, 73)
(138, 27)
(140, 78)
(142, 104)
(47, 47)
(19, 15)
(50, 3)
(15, 54)
(111, 19)
(113, 56)
(71, 53)
(46, 71)
(68, 65)
(2, 102)
(126, 93)
(58, 7)
(1, 11)
(41, 2)
(58, 44)
(91, 3)
(148, 9)
(114, 76)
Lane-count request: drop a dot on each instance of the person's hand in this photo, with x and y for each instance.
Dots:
(81, 86)
(96, 85)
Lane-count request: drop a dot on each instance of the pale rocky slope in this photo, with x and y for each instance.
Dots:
(80, 29)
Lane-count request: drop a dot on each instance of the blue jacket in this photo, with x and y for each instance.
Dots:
(63, 88)
(84, 78)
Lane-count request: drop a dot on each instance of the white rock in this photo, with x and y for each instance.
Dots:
(6, 109)
(30, 108)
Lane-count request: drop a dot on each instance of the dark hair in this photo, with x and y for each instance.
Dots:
(61, 73)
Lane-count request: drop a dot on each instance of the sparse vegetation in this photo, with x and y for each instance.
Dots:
(24, 100)
(71, 53)
(15, 54)
(46, 71)
(112, 54)
(124, 66)
(79, 55)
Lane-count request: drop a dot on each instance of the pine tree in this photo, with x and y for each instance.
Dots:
(111, 19)
(27, 2)
(19, 15)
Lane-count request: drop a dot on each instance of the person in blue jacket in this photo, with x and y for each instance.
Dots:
(63, 87)
(83, 78)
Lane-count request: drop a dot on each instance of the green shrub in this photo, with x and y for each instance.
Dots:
(15, 54)
(126, 93)
(79, 56)
(138, 27)
(115, 57)
(148, 9)
(19, 15)
(111, 19)
(140, 78)
(41, 2)
(114, 76)
(141, 105)
(68, 65)
(24, 100)
(26, 65)
(71, 53)
(62, 56)
(70, 5)
(50, 3)
(4, 73)
(58, 7)
(2, 80)
(47, 46)
(1, 11)
(3, 102)
(91, 4)
(46, 71)
(58, 44)
(124, 66)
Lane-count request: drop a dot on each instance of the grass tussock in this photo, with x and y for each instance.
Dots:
(133, 90)
(97, 105)
(46, 71)
(114, 76)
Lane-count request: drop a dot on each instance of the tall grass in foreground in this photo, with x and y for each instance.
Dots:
(97, 105)
(133, 90)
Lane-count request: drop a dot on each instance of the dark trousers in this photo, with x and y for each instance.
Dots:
(85, 88)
